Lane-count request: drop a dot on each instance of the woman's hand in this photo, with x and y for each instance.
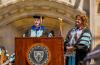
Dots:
(70, 49)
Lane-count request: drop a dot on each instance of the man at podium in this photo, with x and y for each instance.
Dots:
(37, 30)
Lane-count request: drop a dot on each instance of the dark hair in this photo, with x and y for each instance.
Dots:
(52, 32)
(2, 47)
(38, 17)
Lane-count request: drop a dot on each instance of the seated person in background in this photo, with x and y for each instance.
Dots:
(93, 55)
(51, 34)
(5, 58)
(10, 60)
(3, 55)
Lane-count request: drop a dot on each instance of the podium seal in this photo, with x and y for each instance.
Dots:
(38, 55)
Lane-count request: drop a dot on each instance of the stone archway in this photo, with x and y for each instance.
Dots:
(29, 8)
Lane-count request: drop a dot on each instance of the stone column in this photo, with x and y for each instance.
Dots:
(73, 2)
(92, 19)
(80, 7)
(95, 22)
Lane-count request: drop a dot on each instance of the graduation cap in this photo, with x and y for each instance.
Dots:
(38, 17)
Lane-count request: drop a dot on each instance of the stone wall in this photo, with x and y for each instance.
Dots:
(82, 5)
(7, 37)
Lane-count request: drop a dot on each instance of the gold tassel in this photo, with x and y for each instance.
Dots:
(41, 19)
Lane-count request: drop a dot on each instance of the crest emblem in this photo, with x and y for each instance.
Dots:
(38, 55)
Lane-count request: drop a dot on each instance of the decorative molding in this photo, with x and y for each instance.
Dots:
(28, 8)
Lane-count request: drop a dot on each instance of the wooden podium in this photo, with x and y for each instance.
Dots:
(54, 45)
